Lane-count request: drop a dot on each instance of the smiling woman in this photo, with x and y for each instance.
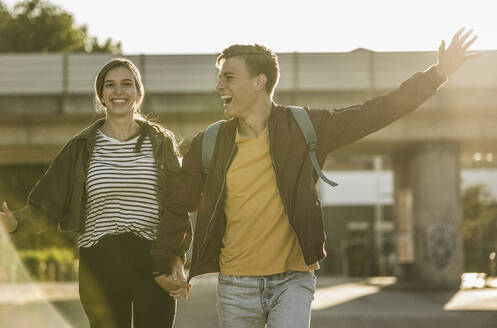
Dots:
(109, 183)
(119, 90)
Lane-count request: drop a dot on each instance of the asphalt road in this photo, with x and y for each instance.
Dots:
(338, 304)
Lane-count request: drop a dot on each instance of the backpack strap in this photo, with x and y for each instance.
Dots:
(305, 124)
(209, 144)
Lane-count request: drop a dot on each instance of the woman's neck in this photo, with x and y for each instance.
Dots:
(121, 129)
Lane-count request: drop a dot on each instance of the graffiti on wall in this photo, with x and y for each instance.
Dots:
(441, 237)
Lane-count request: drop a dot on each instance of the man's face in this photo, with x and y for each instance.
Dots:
(236, 87)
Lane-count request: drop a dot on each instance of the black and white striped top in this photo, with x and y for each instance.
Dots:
(121, 190)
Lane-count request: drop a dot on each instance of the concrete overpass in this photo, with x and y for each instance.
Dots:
(44, 99)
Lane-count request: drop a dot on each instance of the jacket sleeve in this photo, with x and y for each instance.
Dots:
(183, 194)
(48, 199)
(339, 127)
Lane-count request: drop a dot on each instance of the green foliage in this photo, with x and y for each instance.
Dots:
(479, 228)
(64, 256)
(16, 182)
(38, 262)
(51, 246)
(38, 26)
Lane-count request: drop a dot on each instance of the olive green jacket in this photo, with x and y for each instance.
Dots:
(59, 197)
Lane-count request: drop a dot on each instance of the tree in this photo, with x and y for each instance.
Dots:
(479, 227)
(39, 26)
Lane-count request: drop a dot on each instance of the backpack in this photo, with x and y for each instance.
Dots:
(304, 123)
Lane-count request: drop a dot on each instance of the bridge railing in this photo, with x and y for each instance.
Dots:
(53, 74)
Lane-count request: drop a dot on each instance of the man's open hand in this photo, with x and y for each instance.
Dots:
(450, 59)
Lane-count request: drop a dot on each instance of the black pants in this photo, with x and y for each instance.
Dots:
(116, 284)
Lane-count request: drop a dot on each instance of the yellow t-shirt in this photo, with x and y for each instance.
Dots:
(259, 239)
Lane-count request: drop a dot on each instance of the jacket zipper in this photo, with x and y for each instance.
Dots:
(233, 151)
(278, 189)
(274, 168)
(159, 166)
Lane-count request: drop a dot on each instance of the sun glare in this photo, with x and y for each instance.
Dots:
(295, 26)
(17, 289)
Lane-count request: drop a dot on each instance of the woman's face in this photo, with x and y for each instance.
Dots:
(120, 94)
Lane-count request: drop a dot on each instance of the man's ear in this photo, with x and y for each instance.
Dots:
(260, 82)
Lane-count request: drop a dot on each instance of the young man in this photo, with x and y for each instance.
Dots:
(259, 220)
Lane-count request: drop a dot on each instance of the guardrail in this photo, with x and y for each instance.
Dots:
(55, 74)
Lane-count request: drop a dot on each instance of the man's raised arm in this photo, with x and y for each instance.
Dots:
(338, 127)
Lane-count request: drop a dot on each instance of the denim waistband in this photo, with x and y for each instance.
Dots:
(281, 275)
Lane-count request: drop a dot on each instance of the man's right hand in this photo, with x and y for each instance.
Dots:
(175, 288)
(175, 283)
(7, 219)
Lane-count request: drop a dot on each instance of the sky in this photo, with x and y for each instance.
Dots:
(206, 26)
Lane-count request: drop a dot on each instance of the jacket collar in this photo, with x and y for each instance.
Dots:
(231, 124)
(91, 131)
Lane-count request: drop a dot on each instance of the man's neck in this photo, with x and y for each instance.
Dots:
(254, 124)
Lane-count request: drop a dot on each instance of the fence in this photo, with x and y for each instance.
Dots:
(54, 74)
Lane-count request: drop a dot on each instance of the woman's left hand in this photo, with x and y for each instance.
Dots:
(175, 283)
(175, 287)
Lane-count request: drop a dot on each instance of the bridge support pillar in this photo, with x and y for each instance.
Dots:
(429, 215)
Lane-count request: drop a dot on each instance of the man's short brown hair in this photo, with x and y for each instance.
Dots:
(258, 60)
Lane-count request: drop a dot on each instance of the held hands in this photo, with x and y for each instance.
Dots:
(175, 283)
(450, 59)
(7, 219)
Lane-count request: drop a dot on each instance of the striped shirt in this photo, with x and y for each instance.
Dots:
(121, 190)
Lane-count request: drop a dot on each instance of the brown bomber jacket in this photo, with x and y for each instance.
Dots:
(295, 178)
(59, 197)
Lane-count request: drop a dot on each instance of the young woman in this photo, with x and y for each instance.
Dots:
(109, 183)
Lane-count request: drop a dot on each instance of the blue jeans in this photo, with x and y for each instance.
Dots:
(280, 300)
